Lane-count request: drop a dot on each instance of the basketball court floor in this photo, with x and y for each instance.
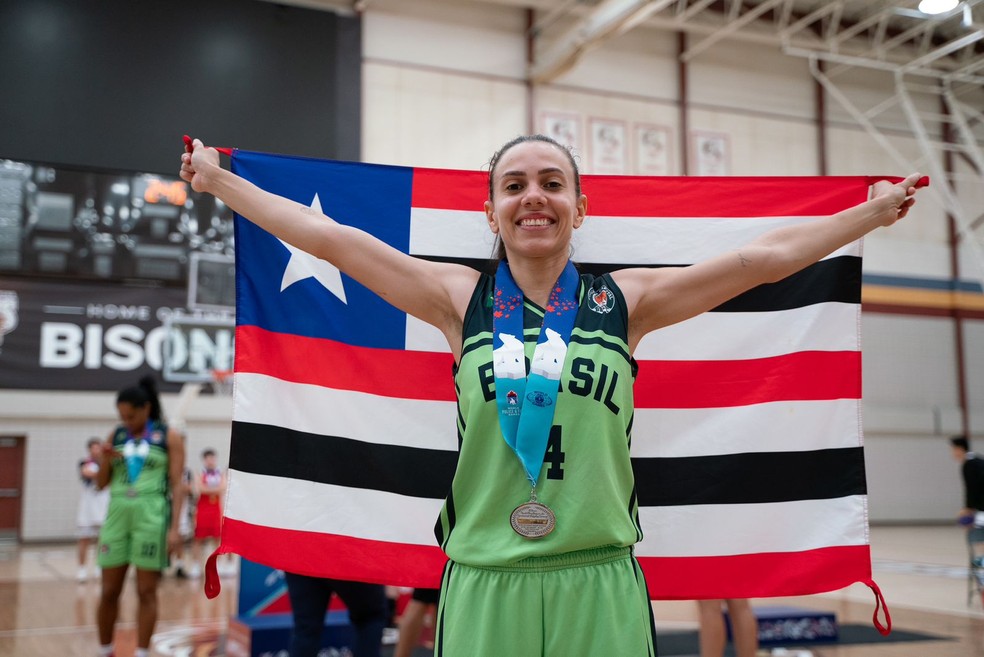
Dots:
(922, 572)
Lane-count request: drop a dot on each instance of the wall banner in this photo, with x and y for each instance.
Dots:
(64, 336)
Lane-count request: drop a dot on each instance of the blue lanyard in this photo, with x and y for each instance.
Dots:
(527, 402)
(135, 451)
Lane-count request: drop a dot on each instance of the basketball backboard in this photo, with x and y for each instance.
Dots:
(211, 282)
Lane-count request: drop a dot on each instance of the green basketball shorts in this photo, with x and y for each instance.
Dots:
(135, 532)
(578, 604)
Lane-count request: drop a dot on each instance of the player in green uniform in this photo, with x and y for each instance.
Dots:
(142, 465)
(586, 481)
(541, 519)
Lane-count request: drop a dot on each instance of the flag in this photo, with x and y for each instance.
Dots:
(747, 442)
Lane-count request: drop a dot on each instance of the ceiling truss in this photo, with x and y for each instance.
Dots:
(941, 55)
(882, 34)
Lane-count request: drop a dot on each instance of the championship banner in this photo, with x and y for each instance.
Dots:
(746, 444)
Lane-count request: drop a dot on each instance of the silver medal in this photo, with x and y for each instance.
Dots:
(532, 520)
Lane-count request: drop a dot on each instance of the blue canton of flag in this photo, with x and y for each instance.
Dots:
(373, 198)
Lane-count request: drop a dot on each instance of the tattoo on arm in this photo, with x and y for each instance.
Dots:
(308, 210)
(743, 260)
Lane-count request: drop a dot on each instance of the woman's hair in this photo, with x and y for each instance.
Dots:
(499, 249)
(145, 392)
(523, 139)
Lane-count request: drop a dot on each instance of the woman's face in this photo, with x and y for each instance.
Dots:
(134, 418)
(534, 208)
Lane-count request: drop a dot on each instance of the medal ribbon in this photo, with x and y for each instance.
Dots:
(527, 402)
(135, 452)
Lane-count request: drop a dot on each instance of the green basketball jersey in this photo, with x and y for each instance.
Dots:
(154, 475)
(586, 477)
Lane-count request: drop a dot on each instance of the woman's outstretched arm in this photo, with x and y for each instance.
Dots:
(436, 293)
(660, 297)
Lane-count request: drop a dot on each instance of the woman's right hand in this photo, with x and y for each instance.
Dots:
(196, 162)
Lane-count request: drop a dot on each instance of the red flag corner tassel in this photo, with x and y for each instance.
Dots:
(212, 584)
(222, 149)
(880, 604)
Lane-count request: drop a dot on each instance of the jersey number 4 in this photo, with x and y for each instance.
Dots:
(554, 455)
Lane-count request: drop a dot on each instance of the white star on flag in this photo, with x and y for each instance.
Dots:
(304, 265)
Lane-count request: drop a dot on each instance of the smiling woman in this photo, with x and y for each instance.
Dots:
(535, 204)
(543, 502)
(555, 184)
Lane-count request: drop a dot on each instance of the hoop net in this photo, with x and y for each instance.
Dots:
(222, 382)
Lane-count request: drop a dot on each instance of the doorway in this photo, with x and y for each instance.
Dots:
(11, 486)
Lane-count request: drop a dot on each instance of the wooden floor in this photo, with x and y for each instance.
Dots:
(44, 612)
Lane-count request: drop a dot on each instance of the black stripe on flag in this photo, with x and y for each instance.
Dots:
(279, 452)
(750, 478)
(835, 279)
(426, 473)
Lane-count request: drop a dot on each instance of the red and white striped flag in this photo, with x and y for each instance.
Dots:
(747, 442)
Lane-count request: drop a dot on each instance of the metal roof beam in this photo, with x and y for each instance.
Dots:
(810, 18)
(862, 25)
(973, 149)
(879, 64)
(907, 35)
(694, 9)
(609, 18)
(946, 49)
(975, 64)
(833, 24)
(785, 15)
(551, 16)
(730, 28)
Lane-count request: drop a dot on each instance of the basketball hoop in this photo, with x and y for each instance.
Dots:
(222, 382)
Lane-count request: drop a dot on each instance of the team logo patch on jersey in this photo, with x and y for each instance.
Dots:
(539, 398)
(601, 301)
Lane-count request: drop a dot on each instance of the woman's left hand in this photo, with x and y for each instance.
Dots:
(900, 195)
